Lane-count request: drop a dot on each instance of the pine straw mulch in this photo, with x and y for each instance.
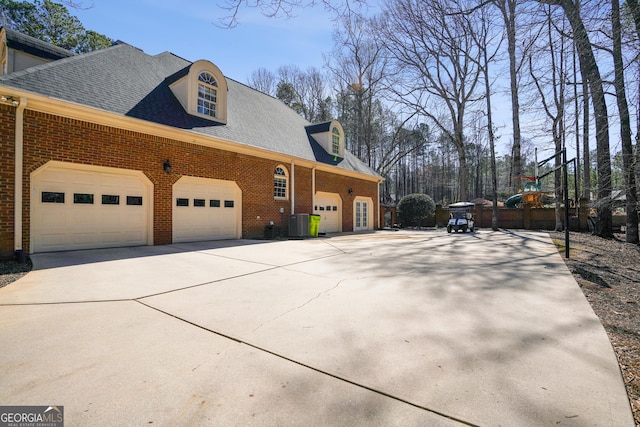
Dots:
(608, 272)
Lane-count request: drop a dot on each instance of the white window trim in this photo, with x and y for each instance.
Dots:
(209, 88)
(335, 133)
(336, 125)
(186, 91)
(284, 177)
(370, 213)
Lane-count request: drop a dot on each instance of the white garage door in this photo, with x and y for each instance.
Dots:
(329, 207)
(206, 209)
(84, 207)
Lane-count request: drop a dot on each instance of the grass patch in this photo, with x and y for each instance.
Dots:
(561, 247)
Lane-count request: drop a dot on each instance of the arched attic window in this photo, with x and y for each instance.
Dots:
(280, 183)
(335, 141)
(202, 91)
(207, 94)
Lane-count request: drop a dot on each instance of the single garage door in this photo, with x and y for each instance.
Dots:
(84, 207)
(329, 207)
(206, 209)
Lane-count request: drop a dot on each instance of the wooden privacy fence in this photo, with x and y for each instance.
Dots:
(525, 217)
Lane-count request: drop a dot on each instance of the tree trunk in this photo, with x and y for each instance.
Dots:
(589, 69)
(492, 146)
(508, 9)
(586, 153)
(625, 128)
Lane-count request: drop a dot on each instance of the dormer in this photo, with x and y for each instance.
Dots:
(330, 136)
(202, 91)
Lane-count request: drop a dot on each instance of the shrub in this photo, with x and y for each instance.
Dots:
(414, 209)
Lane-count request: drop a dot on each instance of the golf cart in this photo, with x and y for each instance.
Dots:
(461, 217)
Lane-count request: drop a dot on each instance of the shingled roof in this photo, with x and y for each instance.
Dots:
(33, 46)
(124, 80)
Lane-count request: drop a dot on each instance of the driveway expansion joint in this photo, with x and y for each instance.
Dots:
(315, 369)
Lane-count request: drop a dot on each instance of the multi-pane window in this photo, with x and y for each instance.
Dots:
(207, 94)
(335, 141)
(280, 180)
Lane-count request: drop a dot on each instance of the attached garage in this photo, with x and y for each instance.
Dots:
(206, 209)
(84, 207)
(329, 207)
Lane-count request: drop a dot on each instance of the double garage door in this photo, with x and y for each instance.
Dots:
(84, 207)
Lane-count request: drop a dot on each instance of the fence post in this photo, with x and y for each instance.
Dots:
(526, 216)
(439, 214)
(584, 213)
(478, 214)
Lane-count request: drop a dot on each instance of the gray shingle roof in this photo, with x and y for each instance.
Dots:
(124, 80)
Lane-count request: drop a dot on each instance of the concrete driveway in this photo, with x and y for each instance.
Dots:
(388, 328)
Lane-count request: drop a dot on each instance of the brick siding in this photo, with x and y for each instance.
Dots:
(49, 137)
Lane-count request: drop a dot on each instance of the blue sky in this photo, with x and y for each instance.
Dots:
(191, 30)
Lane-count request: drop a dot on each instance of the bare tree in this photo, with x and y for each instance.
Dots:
(304, 91)
(590, 71)
(508, 11)
(625, 127)
(286, 8)
(484, 40)
(358, 65)
(436, 66)
(264, 81)
(550, 84)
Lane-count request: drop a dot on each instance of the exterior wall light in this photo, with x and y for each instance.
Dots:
(167, 166)
(350, 191)
(9, 99)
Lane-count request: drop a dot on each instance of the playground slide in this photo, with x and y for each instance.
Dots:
(514, 201)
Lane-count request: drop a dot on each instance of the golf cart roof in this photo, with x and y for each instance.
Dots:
(461, 205)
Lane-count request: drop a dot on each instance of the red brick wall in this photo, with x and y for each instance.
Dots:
(341, 184)
(48, 137)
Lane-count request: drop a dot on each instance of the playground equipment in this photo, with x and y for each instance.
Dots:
(531, 195)
(461, 217)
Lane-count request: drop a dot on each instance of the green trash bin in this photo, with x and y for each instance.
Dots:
(314, 225)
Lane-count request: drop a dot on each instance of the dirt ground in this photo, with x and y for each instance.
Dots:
(608, 271)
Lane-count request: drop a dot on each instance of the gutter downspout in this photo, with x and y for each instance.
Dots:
(379, 210)
(313, 189)
(18, 180)
(293, 188)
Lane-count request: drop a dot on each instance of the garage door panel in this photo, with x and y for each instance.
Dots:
(68, 224)
(329, 207)
(213, 221)
(112, 237)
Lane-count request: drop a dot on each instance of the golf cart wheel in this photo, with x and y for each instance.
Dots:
(448, 229)
(464, 228)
